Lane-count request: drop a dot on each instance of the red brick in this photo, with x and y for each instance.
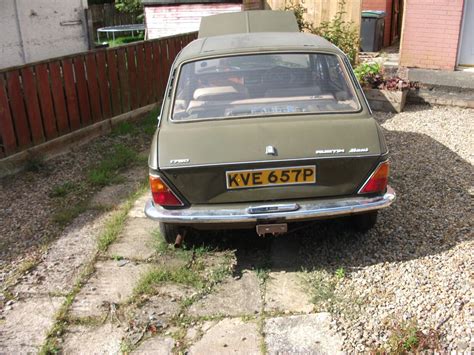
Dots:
(431, 33)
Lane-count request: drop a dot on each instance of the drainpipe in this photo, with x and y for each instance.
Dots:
(18, 25)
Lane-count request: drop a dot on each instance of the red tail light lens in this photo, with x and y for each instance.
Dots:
(378, 181)
(162, 194)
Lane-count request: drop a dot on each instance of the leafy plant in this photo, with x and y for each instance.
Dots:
(131, 7)
(406, 337)
(367, 69)
(299, 10)
(370, 75)
(340, 273)
(341, 33)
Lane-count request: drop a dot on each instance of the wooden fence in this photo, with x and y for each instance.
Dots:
(44, 100)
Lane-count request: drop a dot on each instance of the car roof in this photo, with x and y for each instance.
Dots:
(236, 43)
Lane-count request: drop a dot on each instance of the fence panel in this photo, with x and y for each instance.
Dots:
(7, 131)
(132, 77)
(71, 95)
(82, 91)
(17, 106)
(112, 72)
(32, 104)
(43, 100)
(59, 101)
(103, 84)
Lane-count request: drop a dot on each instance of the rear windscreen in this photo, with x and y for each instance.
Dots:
(263, 85)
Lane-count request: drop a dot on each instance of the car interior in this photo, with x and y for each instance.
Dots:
(266, 84)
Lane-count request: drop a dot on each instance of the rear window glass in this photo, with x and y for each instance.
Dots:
(261, 85)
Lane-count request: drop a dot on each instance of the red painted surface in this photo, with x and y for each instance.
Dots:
(41, 101)
(431, 33)
(169, 20)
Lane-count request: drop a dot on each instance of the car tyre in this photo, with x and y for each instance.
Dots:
(169, 232)
(364, 222)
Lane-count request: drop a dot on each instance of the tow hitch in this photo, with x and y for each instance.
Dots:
(274, 229)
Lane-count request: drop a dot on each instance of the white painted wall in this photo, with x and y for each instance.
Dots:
(33, 30)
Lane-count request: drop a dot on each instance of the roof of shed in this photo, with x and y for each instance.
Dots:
(248, 22)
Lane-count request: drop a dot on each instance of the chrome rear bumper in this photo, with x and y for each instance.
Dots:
(239, 213)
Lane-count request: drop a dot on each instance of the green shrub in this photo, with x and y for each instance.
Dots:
(339, 32)
(365, 70)
(299, 10)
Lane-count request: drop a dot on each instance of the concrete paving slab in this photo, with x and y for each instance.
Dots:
(305, 334)
(229, 336)
(284, 292)
(111, 283)
(155, 345)
(136, 241)
(65, 259)
(137, 210)
(80, 339)
(158, 309)
(232, 298)
(26, 325)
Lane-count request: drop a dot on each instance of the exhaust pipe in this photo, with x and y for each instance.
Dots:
(178, 243)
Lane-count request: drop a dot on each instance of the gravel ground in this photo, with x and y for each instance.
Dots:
(416, 266)
(26, 222)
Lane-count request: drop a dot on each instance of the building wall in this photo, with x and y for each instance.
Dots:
(382, 5)
(41, 29)
(430, 34)
(168, 20)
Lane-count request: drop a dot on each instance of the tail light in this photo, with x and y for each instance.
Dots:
(377, 182)
(162, 194)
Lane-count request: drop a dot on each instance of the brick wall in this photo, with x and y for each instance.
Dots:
(383, 5)
(431, 33)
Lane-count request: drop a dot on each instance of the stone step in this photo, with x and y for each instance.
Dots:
(441, 96)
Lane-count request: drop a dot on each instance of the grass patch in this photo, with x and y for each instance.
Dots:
(182, 275)
(329, 294)
(262, 274)
(106, 172)
(340, 273)
(64, 189)
(52, 345)
(115, 224)
(407, 337)
(124, 128)
(34, 164)
(68, 213)
(119, 41)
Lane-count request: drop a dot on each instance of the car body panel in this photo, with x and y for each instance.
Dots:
(193, 156)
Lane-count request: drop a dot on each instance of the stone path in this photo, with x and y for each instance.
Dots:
(242, 315)
(251, 310)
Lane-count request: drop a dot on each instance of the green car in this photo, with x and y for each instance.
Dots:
(262, 126)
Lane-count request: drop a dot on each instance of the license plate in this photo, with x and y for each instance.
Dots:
(271, 177)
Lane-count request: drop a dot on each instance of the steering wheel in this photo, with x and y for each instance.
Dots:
(277, 75)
